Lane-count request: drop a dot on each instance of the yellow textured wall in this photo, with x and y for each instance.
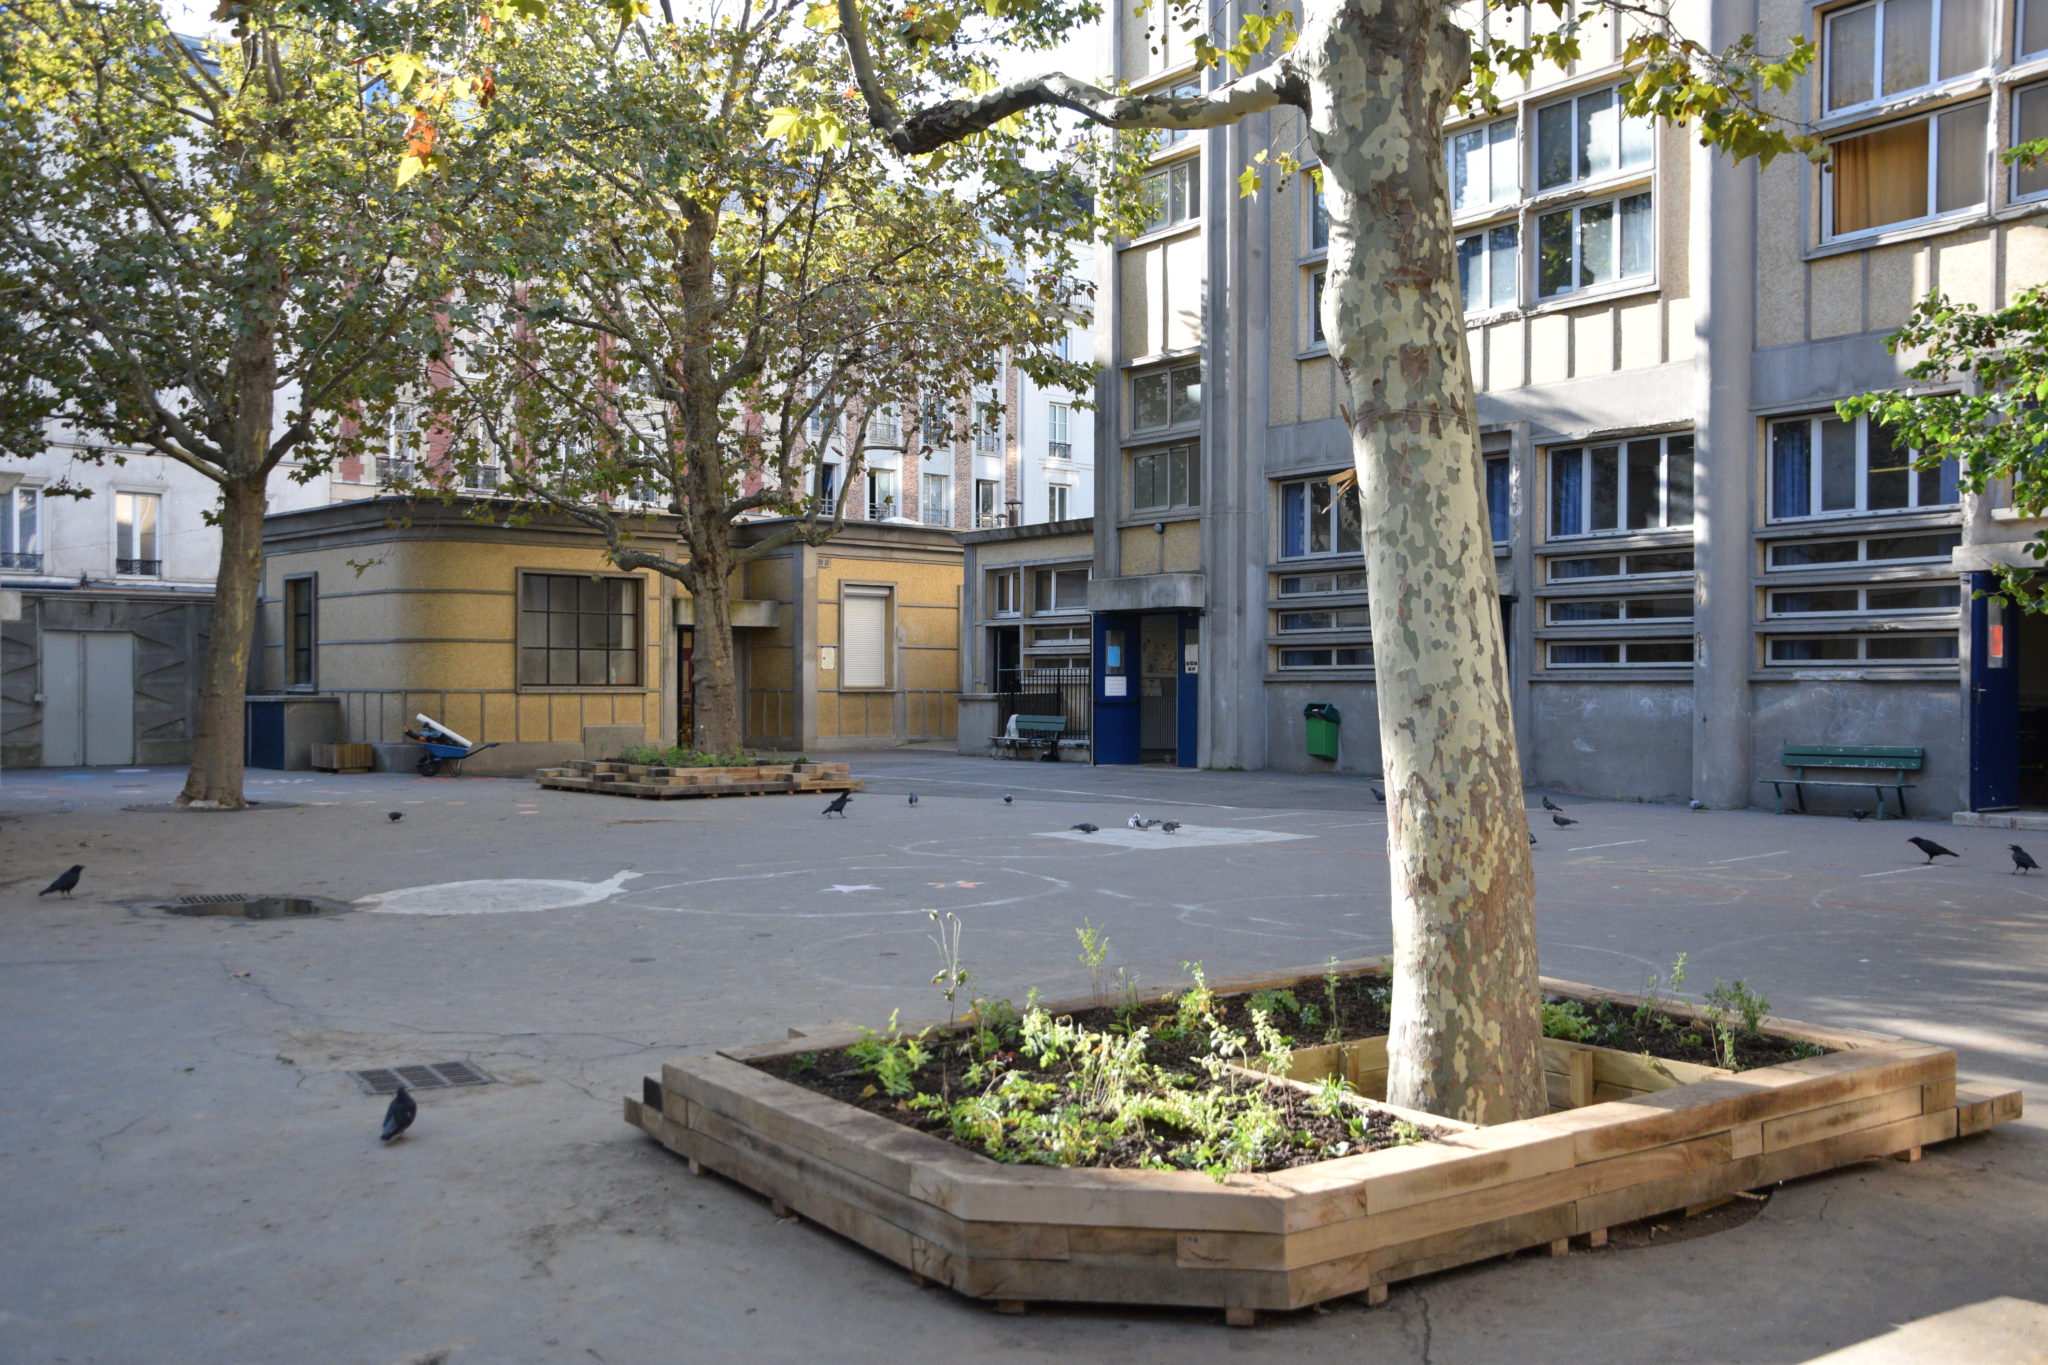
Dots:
(1077, 547)
(1146, 551)
(925, 614)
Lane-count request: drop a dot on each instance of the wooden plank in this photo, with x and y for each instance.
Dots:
(1081, 1282)
(1462, 1246)
(1866, 1111)
(1978, 1107)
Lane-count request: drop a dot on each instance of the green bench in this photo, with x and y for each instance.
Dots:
(1034, 732)
(1896, 762)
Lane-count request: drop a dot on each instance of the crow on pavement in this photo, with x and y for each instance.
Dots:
(399, 1116)
(838, 805)
(65, 882)
(1932, 849)
(1562, 820)
(1007, 798)
(396, 816)
(2021, 859)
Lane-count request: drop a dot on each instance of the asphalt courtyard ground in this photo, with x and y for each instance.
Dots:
(189, 1174)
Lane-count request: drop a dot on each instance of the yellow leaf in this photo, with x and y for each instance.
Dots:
(822, 17)
(408, 168)
(402, 69)
(783, 123)
(221, 217)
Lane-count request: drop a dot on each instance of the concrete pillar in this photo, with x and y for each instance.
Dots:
(1722, 250)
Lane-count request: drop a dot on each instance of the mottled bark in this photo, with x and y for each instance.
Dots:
(215, 779)
(1466, 1014)
(717, 685)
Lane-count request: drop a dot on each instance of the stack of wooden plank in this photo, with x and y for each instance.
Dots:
(1351, 1225)
(343, 758)
(659, 783)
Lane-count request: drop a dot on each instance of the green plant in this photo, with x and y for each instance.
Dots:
(1094, 952)
(951, 976)
(1653, 1004)
(673, 756)
(802, 1062)
(1332, 978)
(890, 1057)
(1566, 1019)
(1725, 1005)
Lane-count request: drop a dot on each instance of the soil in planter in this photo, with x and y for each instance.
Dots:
(1671, 1037)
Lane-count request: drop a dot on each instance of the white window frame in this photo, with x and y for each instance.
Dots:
(1577, 211)
(1625, 613)
(1863, 641)
(129, 541)
(1625, 651)
(1620, 445)
(402, 437)
(1625, 561)
(988, 423)
(1879, 96)
(1165, 374)
(884, 494)
(1489, 252)
(1058, 501)
(1314, 279)
(985, 513)
(1058, 424)
(1326, 584)
(1580, 179)
(1044, 576)
(1188, 452)
(1304, 660)
(13, 541)
(2037, 90)
(1333, 517)
(1816, 428)
(1183, 177)
(1932, 119)
(935, 510)
(1315, 222)
(1495, 162)
(1861, 592)
(1862, 544)
(1005, 592)
(1341, 618)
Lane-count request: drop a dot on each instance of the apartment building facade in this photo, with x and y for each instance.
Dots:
(1698, 561)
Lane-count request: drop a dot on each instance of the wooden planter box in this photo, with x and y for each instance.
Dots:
(1617, 1150)
(667, 784)
(344, 758)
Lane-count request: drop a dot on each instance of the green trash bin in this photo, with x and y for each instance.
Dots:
(1319, 723)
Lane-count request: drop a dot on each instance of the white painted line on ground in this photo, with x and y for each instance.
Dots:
(1283, 815)
(1896, 871)
(1750, 858)
(1618, 843)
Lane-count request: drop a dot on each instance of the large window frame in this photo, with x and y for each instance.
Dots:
(1950, 26)
(300, 607)
(1173, 196)
(1166, 478)
(1171, 394)
(1059, 589)
(1944, 136)
(1489, 152)
(581, 631)
(21, 529)
(2029, 104)
(1642, 484)
(1058, 501)
(1815, 451)
(934, 500)
(1316, 523)
(885, 497)
(1593, 139)
(138, 522)
(1489, 267)
(1596, 244)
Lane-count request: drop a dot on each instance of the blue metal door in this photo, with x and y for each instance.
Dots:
(1190, 690)
(1994, 700)
(1116, 688)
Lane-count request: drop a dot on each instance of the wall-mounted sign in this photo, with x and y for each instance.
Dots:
(1115, 687)
(828, 658)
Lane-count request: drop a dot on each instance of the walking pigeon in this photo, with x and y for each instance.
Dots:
(1169, 827)
(65, 882)
(2021, 859)
(1378, 795)
(1086, 828)
(1562, 820)
(399, 1116)
(1932, 849)
(1549, 804)
(913, 798)
(1860, 814)
(1696, 804)
(838, 806)
(1532, 841)
(1140, 822)
(1007, 798)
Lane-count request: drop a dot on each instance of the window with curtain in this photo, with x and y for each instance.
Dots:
(1907, 172)
(1823, 466)
(1316, 521)
(1888, 48)
(1644, 484)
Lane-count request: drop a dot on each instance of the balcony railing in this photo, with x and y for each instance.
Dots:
(481, 477)
(885, 431)
(828, 506)
(1059, 450)
(394, 471)
(936, 512)
(140, 568)
(27, 561)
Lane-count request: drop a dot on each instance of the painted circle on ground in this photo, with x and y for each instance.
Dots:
(509, 896)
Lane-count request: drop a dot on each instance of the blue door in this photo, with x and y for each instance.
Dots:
(1994, 700)
(1190, 690)
(1116, 688)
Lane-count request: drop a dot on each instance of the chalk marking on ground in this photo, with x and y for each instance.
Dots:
(1750, 857)
(1897, 870)
(1618, 843)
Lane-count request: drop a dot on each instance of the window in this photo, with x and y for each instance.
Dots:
(988, 422)
(1908, 172)
(1165, 479)
(881, 494)
(1588, 245)
(1315, 521)
(1166, 398)
(135, 547)
(2030, 124)
(1639, 485)
(1314, 306)
(1890, 649)
(1320, 584)
(1486, 268)
(1822, 466)
(480, 478)
(985, 493)
(1587, 138)
(885, 427)
(21, 542)
(1173, 194)
(816, 420)
(1890, 47)
(401, 447)
(1578, 611)
(1003, 587)
(1326, 618)
(828, 489)
(579, 630)
(1173, 137)
(1619, 654)
(1807, 554)
(1499, 499)
(935, 423)
(1057, 445)
(1886, 598)
(1333, 656)
(1059, 590)
(1057, 501)
(2030, 37)
(864, 637)
(298, 632)
(1647, 564)
(1319, 209)
(934, 500)
(1482, 162)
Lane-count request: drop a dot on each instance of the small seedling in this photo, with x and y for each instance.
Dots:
(1094, 952)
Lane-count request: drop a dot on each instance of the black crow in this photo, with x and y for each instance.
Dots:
(913, 798)
(65, 882)
(1007, 798)
(1860, 814)
(399, 1116)
(1378, 795)
(1562, 820)
(396, 816)
(1086, 828)
(1169, 827)
(2021, 859)
(1549, 804)
(1932, 849)
(838, 805)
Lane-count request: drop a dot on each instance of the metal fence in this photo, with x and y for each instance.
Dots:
(1065, 692)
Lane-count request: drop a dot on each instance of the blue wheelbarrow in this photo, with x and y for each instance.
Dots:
(443, 745)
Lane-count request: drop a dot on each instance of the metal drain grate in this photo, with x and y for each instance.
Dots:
(245, 905)
(428, 1076)
(217, 898)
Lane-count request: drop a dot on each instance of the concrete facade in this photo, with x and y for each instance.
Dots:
(1020, 618)
(1698, 562)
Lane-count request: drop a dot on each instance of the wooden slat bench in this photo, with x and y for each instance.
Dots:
(1876, 758)
(1034, 732)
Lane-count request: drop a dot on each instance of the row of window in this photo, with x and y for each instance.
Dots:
(1052, 590)
(137, 553)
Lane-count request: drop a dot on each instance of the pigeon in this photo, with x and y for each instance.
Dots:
(2021, 859)
(1931, 849)
(399, 1116)
(1007, 798)
(395, 816)
(65, 882)
(1696, 804)
(1860, 814)
(913, 798)
(1378, 795)
(1140, 822)
(1549, 804)
(1562, 820)
(1086, 828)
(1169, 827)
(838, 805)
(1532, 841)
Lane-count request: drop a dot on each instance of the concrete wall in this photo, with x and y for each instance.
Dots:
(171, 633)
(923, 576)
(1821, 711)
(1358, 731)
(1619, 741)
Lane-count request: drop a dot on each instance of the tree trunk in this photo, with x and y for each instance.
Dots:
(717, 668)
(1466, 1009)
(215, 781)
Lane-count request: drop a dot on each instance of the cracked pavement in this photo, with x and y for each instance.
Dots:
(187, 1173)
